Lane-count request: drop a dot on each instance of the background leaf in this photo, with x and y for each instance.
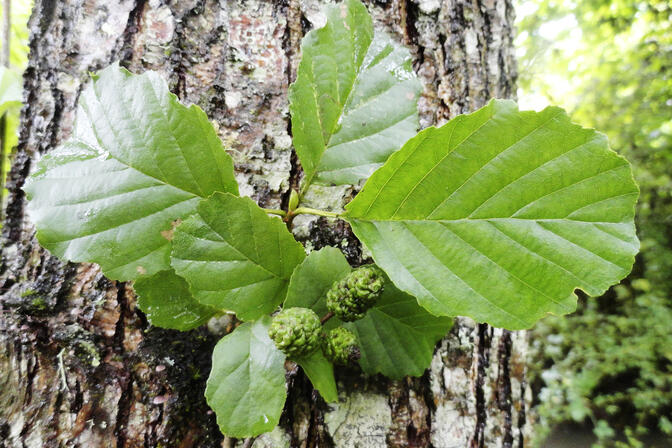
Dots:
(10, 89)
(235, 257)
(165, 299)
(321, 373)
(354, 101)
(246, 387)
(397, 336)
(500, 214)
(138, 161)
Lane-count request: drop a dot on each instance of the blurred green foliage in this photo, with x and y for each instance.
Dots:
(18, 50)
(10, 78)
(610, 364)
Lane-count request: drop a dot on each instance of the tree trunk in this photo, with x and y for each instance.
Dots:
(79, 364)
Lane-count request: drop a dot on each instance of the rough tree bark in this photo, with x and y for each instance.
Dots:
(79, 365)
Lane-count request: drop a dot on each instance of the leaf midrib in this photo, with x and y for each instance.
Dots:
(85, 107)
(538, 221)
(465, 282)
(512, 272)
(225, 241)
(79, 237)
(112, 156)
(496, 219)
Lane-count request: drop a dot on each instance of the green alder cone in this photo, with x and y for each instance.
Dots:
(296, 331)
(350, 297)
(340, 346)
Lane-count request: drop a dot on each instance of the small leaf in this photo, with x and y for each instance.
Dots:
(499, 215)
(138, 162)
(354, 101)
(165, 299)
(312, 279)
(246, 387)
(235, 257)
(397, 336)
(321, 373)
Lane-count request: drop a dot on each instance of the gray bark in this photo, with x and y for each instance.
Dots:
(79, 364)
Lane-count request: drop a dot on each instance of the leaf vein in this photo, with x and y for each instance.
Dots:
(482, 167)
(499, 266)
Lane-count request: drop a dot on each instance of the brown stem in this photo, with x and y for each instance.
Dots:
(326, 317)
(289, 218)
(248, 442)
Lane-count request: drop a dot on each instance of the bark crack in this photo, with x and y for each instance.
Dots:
(124, 52)
(504, 396)
(123, 410)
(482, 361)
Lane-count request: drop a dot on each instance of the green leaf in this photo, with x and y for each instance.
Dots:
(235, 257)
(321, 373)
(246, 387)
(397, 336)
(312, 279)
(499, 215)
(354, 101)
(165, 299)
(138, 161)
(10, 89)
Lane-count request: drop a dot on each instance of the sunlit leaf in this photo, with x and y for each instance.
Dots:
(10, 89)
(500, 215)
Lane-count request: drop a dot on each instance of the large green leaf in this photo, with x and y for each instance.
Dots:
(354, 101)
(246, 387)
(397, 336)
(321, 373)
(236, 257)
(165, 299)
(138, 161)
(500, 215)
